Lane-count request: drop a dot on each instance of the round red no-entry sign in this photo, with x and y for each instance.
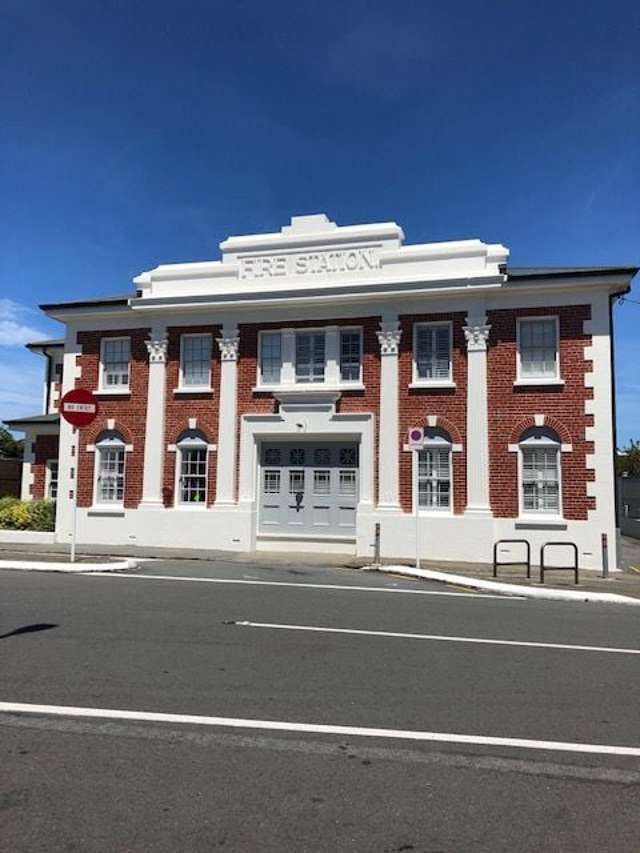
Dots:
(79, 407)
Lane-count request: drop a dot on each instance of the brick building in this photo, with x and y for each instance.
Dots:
(263, 401)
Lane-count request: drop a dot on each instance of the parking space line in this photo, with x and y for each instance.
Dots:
(437, 637)
(329, 586)
(315, 728)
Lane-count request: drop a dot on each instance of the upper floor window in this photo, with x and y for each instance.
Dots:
(114, 361)
(432, 352)
(540, 472)
(270, 358)
(310, 356)
(350, 355)
(538, 356)
(195, 362)
(434, 471)
(110, 464)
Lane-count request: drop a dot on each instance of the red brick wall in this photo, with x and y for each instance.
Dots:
(45, 447)
(250, 402)
(128, 410)
(450, 405)
(180, 407)
(511, 408)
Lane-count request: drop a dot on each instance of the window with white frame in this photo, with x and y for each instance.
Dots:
(434, 471)
(538, 348)
(52, 479)
(114, 360)
(310, 356)
(270, 358)
(432, 352)
(540, 472)
(195, 361)
(350, 355)
(110, 466)
(192, 469)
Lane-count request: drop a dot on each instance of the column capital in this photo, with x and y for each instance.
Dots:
(389, 338)
(477, 334)
(228, 344)
(157, 349)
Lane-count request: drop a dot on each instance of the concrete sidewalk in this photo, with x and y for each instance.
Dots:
(625, 582)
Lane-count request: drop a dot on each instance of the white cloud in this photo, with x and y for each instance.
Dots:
(21, 386)
(14, 332)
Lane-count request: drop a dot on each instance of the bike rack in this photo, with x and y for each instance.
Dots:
(573, 568)
(526, 562)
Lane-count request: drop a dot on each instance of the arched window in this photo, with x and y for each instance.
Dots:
(192, 469)
(434, 471)
(539, 472)
(110, 466)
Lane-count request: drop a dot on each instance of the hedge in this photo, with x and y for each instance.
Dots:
(27, 515)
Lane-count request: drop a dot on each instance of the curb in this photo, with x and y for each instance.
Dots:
(508, 588)
(69, 568)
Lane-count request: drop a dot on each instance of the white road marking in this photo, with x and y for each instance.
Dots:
(303, 585)
(315, 728)
(438, 637)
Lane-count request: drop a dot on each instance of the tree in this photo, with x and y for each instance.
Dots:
(10, 448)
(628, 461)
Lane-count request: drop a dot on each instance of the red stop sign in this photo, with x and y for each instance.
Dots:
(79, 407)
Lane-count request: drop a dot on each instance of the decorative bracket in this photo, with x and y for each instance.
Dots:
(228, 345)
(477, 336)
(157, 349)
(389, 338)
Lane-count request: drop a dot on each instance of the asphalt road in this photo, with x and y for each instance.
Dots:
(174, 646)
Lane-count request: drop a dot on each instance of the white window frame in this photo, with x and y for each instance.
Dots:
(441, 381)
(545, 442)
(537, 380)
(49, 478)
(351, 329)
(113, 389)
(191, 442)
(261, 334)
(436, 443)
(109, 442)
(288, 381)
(181, 383)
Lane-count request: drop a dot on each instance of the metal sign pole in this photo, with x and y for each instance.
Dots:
(416, 463)
(74, 481)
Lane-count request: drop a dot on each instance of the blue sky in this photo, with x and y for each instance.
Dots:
(139, 133)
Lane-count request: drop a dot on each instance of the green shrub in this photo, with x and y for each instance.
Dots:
(42, 515)
(27, 515)
(8, 501)
(15, 516)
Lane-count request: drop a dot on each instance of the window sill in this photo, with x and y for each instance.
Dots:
(97, 510)
(519, 383)
(436, 383)
(112, 392)
(541, 522)
(308, 386)
(195, 389)
(434, 513)
(195, 507)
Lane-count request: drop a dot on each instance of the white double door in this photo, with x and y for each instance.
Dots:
(308, 488)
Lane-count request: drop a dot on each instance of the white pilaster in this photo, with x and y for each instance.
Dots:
(388, 439)
(154, 428)
(477, 334)
(227, 440)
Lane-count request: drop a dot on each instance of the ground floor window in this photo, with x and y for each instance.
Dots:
(110, 467)
(193, 468)
(540, 472)
(434, 471)
(52, 479)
